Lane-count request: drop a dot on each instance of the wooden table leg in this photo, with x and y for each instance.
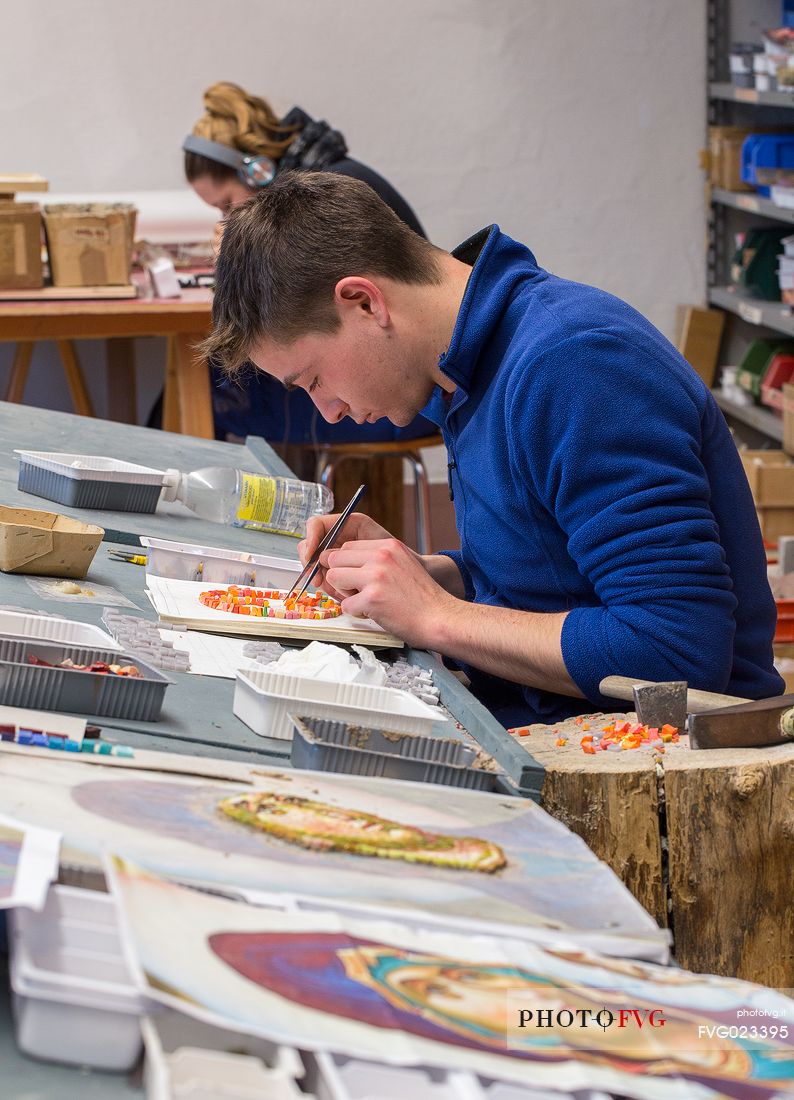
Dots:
(81, 399)
(120, 373)
(170, 388)
(15, 391)
(192, 383)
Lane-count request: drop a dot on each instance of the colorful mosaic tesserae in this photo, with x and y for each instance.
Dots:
(270, 603)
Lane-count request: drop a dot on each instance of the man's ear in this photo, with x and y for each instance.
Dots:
(360, 299)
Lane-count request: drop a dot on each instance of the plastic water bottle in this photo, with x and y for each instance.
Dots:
(222, 494)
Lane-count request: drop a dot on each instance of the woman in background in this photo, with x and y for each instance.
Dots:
(237, 147)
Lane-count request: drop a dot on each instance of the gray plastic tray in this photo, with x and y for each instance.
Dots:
(323, 744)
(112, 496)
(64, 689)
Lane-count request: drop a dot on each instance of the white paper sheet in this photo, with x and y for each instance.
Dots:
(211, 654)
(28, 863)
(180, 599)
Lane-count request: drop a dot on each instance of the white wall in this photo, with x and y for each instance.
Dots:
(573, 123)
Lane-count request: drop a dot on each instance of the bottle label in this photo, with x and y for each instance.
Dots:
(257, 499)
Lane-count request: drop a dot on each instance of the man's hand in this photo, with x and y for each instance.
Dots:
(358, 526)
(382, 579)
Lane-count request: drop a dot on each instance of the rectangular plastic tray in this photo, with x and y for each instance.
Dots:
(53, 629)
(72, 1003)
(64, 689)
(264, 700)
(188, 1058)
(186, 562)
(89, 481)
(321, 744)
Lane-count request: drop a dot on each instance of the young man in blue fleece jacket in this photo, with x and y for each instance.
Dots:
(605, 521)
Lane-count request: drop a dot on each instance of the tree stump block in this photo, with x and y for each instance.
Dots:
(703, 839)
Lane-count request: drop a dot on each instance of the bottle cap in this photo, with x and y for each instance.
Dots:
(171, 480)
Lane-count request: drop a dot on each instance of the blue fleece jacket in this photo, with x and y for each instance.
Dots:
(593, 473)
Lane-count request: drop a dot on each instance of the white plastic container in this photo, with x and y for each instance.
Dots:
(264, 700)
(72, 1003)
(48, 628)
(337, 1077)
(186, 562)
(188, 1058)
(89, 481)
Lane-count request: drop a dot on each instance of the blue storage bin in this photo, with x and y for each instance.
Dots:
(766, 151)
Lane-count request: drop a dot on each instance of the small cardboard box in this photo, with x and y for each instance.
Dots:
(20, 246)
(90, 244)
(46, 543)
(725, 157)
(776, 522)
(771, 477)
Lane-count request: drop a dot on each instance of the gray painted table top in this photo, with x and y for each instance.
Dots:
(43, 430)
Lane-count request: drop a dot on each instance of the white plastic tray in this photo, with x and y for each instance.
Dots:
(187, 562)
(188, 1058)
(73, 1004)
(264, 700)
(92, 467)
(48, 628)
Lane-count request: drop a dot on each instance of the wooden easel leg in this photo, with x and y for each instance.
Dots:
(15, 391)
(74, 379)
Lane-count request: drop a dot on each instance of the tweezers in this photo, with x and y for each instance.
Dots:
(313, 564)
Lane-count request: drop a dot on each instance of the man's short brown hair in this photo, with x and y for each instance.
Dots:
(284, 251)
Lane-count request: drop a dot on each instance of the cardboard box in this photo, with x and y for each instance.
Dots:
(700, 335)
(46, 543)
(725, 157)
(771, 477)
(90, 244)
(20, 246)
(776, 522)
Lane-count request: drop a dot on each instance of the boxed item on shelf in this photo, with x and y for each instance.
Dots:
(755, 263)
(771, 477)
(764, 157)
(725, 157)
(756, 360)
(20, 246)
(780, 370)
(90, 244)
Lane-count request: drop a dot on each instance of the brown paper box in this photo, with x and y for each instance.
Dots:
(46, 543)
(20, 246)
(771, 477)
(90, 244)
(776, 522)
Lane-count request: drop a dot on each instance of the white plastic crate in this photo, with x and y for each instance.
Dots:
(91, 467)
(265, 699)
(72, 993)
(188, 1058)
(89, 481)
(187, 562)
(49, 628)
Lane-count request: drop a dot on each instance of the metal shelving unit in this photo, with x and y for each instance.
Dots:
(730, 212)
(732, 94)
(752, 204)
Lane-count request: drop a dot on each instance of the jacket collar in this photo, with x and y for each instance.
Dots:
(497, 261)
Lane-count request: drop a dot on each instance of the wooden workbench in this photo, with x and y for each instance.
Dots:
(187, 403)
